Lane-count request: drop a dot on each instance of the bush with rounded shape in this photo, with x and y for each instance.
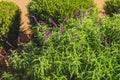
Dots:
(9, 13)
(112, 6)
(56, 9)
(111, 29)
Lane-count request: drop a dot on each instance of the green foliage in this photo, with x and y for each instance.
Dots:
(0, 47)
(82, 48)
(8, 76)
(8, 13)
(56, 9)
(112, 30)
(112, 6)
(76, 50)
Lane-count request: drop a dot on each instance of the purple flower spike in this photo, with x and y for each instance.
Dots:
(83, 16)
(75, 37)
(106, 41)
(104, 13)
(91, 13)
(61, 28)
(10, 49)
(100, 22)
(4, 51)
(80, 11)
(35, 19)
(65, 19)
(1, 55)
(47, 35)
(18, 39)
(41, 21)
(76, 13)
(51, 21)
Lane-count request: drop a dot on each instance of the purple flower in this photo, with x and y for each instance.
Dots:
(80, 11)
(47, 35)
(65, 19)
(83, 16)
(10, 49)
(106, 41)
(61, 28)
(18, 39)
(35, 19)
(53, 22)
(76, 13)
(41, 21)
(104, 13)
(75, 37)
(1, 55)
(5, 51)
(91, 13)
(100, 22)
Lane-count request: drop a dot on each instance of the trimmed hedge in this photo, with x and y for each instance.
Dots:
(112, 6)
(56, 9)
(9, 18)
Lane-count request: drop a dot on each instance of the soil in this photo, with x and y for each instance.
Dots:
(100, 4)
(25, 31)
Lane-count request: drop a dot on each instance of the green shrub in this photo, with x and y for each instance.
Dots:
(80, 49)
(112, 6)
(56, 9)
(9, 14)
(8, 76)
(111, 29)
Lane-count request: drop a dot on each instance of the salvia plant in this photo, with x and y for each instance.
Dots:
(85, 47)
(71, 51)
(56, 9)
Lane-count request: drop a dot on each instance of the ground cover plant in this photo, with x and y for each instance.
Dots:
(56, 9)
(81, 48)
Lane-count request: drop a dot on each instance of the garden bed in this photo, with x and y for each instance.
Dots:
(70, 43)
